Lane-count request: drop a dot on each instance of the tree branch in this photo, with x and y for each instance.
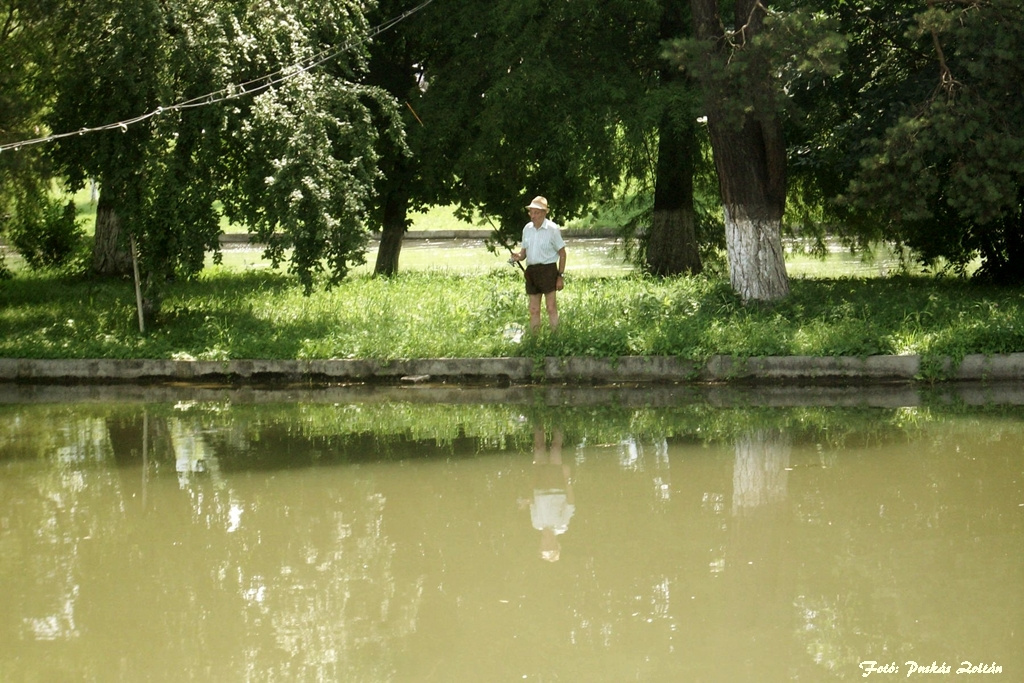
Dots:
(946, 78)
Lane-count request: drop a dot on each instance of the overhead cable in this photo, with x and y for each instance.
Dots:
(231, 91)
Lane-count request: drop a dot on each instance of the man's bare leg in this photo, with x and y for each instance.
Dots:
(534, 313)
(551, 303)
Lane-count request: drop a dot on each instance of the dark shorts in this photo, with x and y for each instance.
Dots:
(541, 278)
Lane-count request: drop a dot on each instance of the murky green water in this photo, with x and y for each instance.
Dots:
(508, 535)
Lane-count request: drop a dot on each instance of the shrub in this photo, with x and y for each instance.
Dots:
(47, 235)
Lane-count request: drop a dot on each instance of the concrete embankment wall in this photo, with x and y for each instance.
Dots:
(576, 370)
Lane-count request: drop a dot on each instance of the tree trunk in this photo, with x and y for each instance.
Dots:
(672, 245)
(394, 221)
(750, 157)
(751, 166)
(111, 254)
(757, 267)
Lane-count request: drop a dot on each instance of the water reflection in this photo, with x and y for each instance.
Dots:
(553, 503)
(760, 474)
(376, 539)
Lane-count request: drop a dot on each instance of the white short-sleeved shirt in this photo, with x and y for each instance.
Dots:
(542, 244)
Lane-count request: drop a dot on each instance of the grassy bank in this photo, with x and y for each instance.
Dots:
(262, 314)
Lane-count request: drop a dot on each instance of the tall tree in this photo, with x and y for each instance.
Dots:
(110, 69)
(394, 58)
(302, 156)
(256, 104)
(27, 45)
(945, 175)
(750, 153)
(749, 74)
(671, 245)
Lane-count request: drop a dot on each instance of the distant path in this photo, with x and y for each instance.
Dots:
(236, 238)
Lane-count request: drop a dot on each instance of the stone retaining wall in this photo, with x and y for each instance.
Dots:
(1006, 367)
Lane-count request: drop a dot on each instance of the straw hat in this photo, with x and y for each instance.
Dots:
(538, 203)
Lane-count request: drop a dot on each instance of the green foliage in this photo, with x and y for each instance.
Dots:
(294, 162)
(794, 46)
(49, 237)
(104, 76)
(525, 99)
(303, 158)
(224, 315)
(919, 139)
(305, 183)
(25, 53)
(124, 59)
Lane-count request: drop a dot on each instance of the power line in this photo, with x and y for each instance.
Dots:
(232, 91)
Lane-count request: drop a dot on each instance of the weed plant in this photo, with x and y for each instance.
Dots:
(228, 314)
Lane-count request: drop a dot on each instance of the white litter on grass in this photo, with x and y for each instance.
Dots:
(513, 332)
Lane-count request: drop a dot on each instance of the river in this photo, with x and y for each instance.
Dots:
(520, 534)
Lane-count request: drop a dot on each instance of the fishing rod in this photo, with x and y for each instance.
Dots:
(497, 236)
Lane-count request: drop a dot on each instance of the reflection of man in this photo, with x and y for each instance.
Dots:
(189, 451)
(553, 503)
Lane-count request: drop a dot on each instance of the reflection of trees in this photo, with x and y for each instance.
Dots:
(317, 583)
(692, 572)
(752, 559)
(758, 542)
(296, 578)
(651, 456)
(303, 567)
(760, 473)
(55, 506)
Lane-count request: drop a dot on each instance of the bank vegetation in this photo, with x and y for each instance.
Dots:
(235, 314)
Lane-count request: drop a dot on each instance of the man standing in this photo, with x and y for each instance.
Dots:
(544, 252)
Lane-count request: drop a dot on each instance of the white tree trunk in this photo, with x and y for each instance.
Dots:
(757, 264)
(750, 151)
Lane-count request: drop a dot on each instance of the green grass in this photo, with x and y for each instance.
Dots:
(449, 310)
(440, 218)
(456, 298)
